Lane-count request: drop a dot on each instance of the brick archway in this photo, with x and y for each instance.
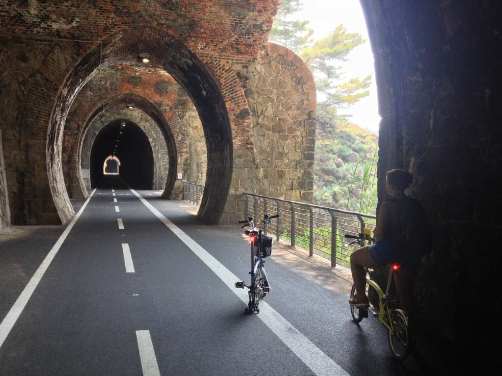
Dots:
(192, 74)
(87, 136)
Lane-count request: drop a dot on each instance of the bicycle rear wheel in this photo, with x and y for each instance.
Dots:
(399, 339)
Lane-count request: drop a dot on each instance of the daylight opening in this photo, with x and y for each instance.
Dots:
(332, 39)
(111, 166)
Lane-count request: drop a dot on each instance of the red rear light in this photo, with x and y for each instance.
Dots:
(252, 239)
(395, 267)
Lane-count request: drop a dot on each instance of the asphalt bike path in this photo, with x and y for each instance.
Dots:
(129, 298)
(318, 313)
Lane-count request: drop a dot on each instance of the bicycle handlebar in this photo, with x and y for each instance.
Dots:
(265, 217)
(359, 238)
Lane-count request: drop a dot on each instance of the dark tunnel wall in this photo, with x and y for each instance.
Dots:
(440, 98)
(131, 146)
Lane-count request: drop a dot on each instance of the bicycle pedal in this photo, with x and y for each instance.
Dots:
(239, 285)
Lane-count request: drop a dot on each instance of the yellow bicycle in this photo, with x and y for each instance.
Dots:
(383, 305)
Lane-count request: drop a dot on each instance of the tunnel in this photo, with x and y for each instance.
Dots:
(129, 144)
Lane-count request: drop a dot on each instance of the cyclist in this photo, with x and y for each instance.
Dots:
(401, 235)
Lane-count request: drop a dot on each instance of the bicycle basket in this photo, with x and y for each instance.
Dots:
(266, 246)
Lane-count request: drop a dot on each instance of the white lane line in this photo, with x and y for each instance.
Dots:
(114, 199)
(117, 209)
(113, 194)
(113, 190)
(129, 266)
(120, 223)
(313, 357)
(147, 356)
(17, 308)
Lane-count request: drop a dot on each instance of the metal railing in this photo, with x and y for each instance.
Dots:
(318, 229)
(192, 192)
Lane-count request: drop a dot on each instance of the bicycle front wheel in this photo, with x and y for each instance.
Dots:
(357, 313)
(399, 340)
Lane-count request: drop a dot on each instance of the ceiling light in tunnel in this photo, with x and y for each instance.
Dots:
(145, 58)
(130, 107)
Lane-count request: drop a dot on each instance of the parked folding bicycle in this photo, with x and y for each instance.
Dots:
(261, 248)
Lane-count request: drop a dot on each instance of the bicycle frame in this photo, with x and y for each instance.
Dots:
(382, 314)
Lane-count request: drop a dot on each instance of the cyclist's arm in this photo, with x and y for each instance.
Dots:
(380, 223)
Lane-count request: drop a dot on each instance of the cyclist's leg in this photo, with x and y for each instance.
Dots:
(359, 260)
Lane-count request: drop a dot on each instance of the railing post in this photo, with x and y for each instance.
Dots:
(334, 229)
(361, 223)
(246, 206)
(311, 232)
(293, 225)
(278, 224)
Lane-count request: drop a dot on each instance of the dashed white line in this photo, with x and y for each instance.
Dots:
(117, 209)
(12, 316)
(313, 357)
(147, 356)
(129, 266)
(114, 199)
(120, 223)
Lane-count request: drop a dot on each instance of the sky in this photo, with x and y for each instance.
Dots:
(324, 16)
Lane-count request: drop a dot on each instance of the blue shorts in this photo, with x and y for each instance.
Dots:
(381, 252)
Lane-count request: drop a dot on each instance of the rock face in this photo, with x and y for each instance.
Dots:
(439, 83)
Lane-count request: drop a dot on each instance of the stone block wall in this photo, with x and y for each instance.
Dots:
(282, 98)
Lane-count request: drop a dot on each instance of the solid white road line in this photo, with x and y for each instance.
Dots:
(129, 266)
(117, 209)
(15, 311)
(120, 223)
(310, 354)
(114, 200)
(147, 353)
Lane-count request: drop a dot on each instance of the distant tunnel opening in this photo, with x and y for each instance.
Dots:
(129, 144)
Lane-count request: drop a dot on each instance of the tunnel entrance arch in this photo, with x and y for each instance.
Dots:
(126, 142)
(191, 73)
(154, 124)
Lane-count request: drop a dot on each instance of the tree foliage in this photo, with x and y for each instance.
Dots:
(346, 155)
